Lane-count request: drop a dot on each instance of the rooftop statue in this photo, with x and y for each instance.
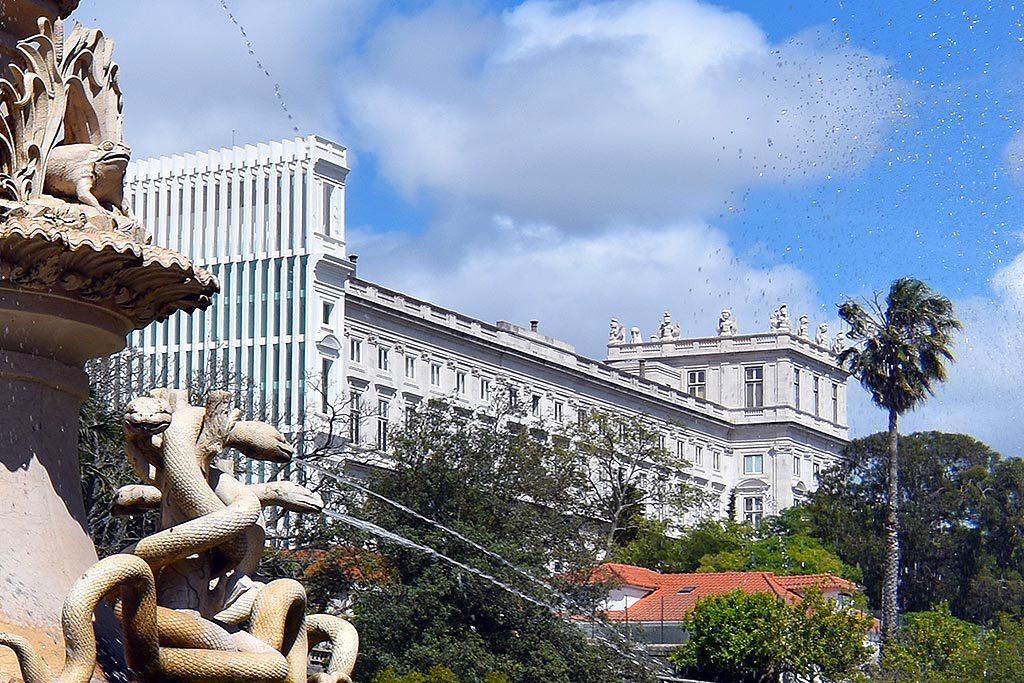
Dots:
(726, 324)
(779, 320)
(821, 338)
(839, 345)
(802, 329)
(667, 330)
(634, 336)
(617, 333)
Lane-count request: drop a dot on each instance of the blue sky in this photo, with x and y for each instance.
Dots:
(574, 161)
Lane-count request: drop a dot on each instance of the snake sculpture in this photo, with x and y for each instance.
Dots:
(183, 593)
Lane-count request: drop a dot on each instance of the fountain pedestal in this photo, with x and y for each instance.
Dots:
(44, 545)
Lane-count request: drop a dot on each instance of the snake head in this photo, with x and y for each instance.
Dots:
(147, 415)
(259, 441)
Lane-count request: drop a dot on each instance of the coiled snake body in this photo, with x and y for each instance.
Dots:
(179, 592)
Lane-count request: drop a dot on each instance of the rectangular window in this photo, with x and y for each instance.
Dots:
(460, 383)
(326, 314)
(277, 208)
(382, 425)
(355, 350)
(302, 216)
(410, 367)
(290, 304)
(278, 265)
(266, 212)
(698, 456)
(229, 207)
(239, 276)
(216, 219)
(815, 385)
(696, 383)
(558, 412)
(796, 465)
(753, 510)
(264, 288)
(835, 402)
(435, 374)
(302, 293)
(796, 388)
(716, 461)
(680, 449)
(354, 418)
(383, 358)
(485, 389)
(328, 191)
(754, 386)
(816, 468)
(291, 208)
(325, 382)
(535, 405)
(753, 464)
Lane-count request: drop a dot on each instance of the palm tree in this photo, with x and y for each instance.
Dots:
(898, 355)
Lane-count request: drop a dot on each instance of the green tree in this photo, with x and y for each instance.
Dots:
(827, 642)
(653, 548)
(628, 470)
(959, 505)
(899, 354)
(756, 637)
(738, 637)
(514, 494)
(1003, 651)
(935, 647)
(784, 545)
(783, 555)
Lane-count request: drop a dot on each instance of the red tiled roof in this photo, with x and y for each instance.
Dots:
(822, 581)
(666, 602)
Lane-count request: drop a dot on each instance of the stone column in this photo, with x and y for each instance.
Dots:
(44, 543)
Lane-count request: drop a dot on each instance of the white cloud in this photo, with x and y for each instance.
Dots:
(594, 114)
(189, 81)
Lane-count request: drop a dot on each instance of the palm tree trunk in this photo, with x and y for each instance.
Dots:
(891, 576)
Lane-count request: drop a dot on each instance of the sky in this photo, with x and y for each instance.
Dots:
(576, 161)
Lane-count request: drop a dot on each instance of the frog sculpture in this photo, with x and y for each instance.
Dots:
(91, 174)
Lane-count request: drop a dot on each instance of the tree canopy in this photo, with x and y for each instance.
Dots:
(756, 637)
(961, 506)
(513, 494)
(785, 545)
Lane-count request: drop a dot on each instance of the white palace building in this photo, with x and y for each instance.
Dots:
(758, 415)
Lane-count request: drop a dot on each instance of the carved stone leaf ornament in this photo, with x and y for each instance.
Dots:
(94, 111)
(32, 107)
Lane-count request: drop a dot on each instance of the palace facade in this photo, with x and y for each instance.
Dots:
(757, 415)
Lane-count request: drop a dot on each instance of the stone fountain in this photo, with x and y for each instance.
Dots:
(77, 274)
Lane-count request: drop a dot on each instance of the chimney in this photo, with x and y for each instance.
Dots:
(533, 325)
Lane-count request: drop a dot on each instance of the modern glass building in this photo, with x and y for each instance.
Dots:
(267, 220)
